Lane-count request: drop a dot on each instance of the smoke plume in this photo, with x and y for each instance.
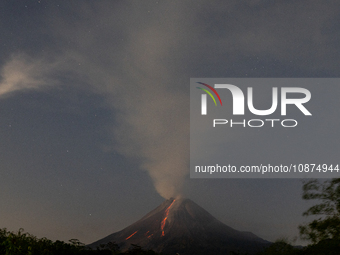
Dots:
(139, 58)
(127, 65)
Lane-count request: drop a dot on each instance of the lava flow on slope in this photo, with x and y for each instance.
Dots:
(181, 226)
(166, 216)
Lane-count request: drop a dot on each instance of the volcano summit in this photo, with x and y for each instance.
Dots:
(181, 226)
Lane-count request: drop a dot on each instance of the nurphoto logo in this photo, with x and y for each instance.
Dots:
(238, 98)
(264, 127)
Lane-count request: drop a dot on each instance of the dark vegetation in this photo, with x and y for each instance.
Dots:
(323, 232)
(21, 243)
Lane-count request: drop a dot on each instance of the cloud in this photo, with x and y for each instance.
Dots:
(133, 77)
(22, 72)
(140, 57)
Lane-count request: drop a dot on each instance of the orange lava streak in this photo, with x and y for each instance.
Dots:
(131, 235)
(166, 216)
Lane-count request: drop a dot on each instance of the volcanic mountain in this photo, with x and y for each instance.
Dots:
(181, 226)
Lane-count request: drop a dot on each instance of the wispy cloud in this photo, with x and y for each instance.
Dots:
(140, 57)
(22, 72)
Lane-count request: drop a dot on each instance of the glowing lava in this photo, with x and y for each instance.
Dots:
(166, 216)
(131, 235)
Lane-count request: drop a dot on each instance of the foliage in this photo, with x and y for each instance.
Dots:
(329, 247)
(137, 250)
(21, 243)
(325, 247)
(281, 247)
(237, 253)
(24, 243)
(327, 225)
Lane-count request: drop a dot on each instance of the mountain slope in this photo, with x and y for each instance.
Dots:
(180, 225)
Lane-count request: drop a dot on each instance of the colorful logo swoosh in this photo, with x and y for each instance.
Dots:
(208, 92)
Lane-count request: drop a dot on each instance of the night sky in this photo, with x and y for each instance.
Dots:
(94, 107)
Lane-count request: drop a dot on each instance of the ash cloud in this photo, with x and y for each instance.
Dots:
(22, 72)
(127, 65)
(140, 57)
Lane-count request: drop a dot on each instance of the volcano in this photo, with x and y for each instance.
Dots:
(181, 226)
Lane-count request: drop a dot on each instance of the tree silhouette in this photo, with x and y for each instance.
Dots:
(327, 225)
(280, 247)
